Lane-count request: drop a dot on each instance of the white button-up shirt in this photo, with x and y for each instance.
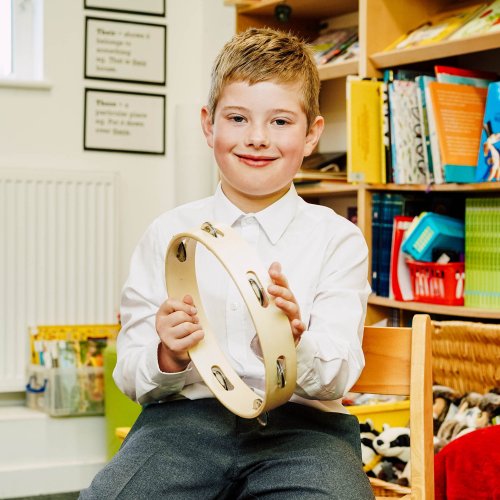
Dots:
(323, 256)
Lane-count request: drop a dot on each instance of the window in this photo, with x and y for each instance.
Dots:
(5, 38)
(21, 39)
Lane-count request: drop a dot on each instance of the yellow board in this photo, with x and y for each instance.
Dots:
(395, 414)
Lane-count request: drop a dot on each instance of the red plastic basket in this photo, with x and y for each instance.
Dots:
(438, 283)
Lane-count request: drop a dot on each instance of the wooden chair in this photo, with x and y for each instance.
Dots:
(399, 361)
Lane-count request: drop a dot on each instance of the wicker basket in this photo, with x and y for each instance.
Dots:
(385, 489)
(465, 355)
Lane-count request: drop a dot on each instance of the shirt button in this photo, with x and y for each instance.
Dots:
(234, 306)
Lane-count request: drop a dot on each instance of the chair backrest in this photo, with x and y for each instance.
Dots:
(399, 361)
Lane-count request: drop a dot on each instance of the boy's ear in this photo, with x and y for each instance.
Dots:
(314, 134)
(207, 126)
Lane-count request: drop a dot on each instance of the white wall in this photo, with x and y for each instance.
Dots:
(43, 129)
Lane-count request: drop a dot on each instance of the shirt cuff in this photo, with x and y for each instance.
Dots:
(317, 377)
(161, 384)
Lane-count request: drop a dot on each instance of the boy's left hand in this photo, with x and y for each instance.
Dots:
(285, 300)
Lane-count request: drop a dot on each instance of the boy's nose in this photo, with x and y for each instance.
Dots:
(257, 138)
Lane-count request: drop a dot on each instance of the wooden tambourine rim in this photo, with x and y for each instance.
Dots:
(272, 326)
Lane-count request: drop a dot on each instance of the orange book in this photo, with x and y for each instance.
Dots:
(458, 115)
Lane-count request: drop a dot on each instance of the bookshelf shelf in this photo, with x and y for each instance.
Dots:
(393, 58)
(326, 188)
(455, 311)
(303, 9)
(448, 187)
(338, 70)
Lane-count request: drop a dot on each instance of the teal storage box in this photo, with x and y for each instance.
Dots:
(431, 231)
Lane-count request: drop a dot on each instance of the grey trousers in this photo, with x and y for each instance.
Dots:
(198, 450)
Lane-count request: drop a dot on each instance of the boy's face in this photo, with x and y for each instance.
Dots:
(259, 136)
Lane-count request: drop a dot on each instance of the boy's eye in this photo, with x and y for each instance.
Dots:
(280, 122)
(237, 118)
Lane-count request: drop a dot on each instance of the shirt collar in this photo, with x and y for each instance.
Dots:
(274, 219)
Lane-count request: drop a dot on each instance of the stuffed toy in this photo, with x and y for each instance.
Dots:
(466, 414)
(371, 460)
(481, 416)
(444, 405)
(393, 444)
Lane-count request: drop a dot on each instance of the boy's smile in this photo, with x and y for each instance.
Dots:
(259, 136)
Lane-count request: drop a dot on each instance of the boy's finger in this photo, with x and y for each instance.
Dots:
(172, 305)
(185, 343)
(178, 317)
(185, 329)
(281, 291)
(291, 309)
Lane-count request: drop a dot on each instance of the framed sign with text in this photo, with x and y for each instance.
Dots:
(148, 7)
(127, 122)
(125, 51)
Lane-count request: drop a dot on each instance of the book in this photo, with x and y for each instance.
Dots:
(482, 253)
(458, 114)
(391, 205)
(408, 161)
(400, 279)
(487, 20)
(386, 131)
(437, 167)
(464, 80)
(421, 82)
(323, 166)
(337, 50)
(437, 28)
(469, 73)
(488, 161)
(332, 43)
(350, 53)
(376, 202)
(365, 155)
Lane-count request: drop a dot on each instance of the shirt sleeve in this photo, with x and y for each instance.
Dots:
(329, 354)
(137, 372)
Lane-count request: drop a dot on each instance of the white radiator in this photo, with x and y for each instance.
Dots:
(58, 257)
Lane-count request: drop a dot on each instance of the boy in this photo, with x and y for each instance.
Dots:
(261, 120)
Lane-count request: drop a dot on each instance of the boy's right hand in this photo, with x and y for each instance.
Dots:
(179, 330)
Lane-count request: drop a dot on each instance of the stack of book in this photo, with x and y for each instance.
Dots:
(391, 215)
(459, 22)
(482, 253)
(417, 128)
(328, 166)
(335, 44)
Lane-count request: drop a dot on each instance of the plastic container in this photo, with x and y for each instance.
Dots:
(431, 231)
(68, 391)
(395, 414)
(438, 283)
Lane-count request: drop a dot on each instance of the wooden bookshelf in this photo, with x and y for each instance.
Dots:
(435, 309)
(394, 58)
(380, 22)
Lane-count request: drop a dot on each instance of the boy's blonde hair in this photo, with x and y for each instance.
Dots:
(264, 54)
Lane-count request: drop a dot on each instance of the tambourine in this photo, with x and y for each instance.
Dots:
(273, 329)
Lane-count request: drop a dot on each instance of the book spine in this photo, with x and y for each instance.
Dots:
(376, 201)
(433, 137)
(391, 206)
(424, 126)
(386, 132)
